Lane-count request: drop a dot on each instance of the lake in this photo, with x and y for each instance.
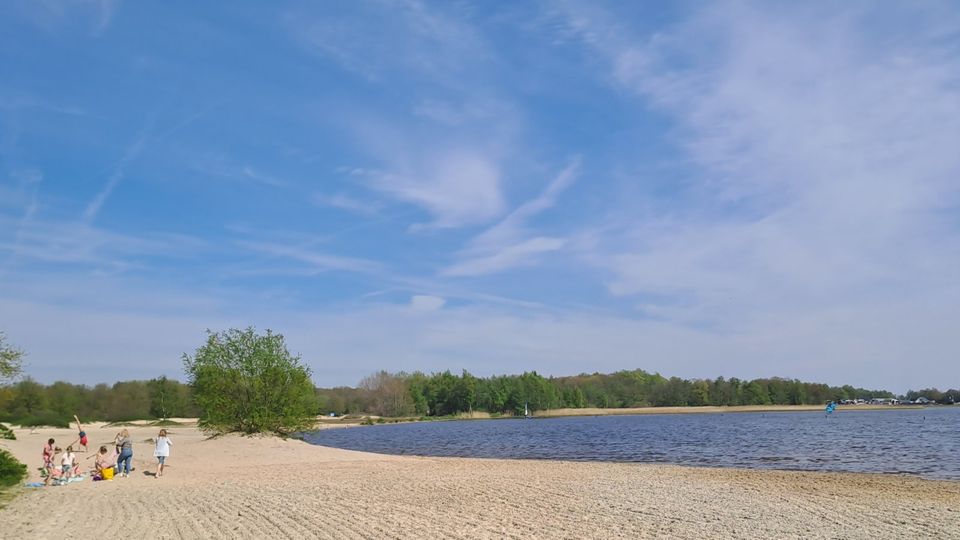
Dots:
(922, 442)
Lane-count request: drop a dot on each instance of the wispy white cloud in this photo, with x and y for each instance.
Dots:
(108, 9)
(452, 114)
(26, 194)
(510, 243)
(131, 153)
(424, 302)
(34, 238)
(453, 174)
(457, 188)
(444, 155)
(350, 204)
(319, 262)
(376, 39)
(262, 178)
(515, 224)
(219, 165)
(378, 275)
(19, 102)
(822, 138)
(55, 241)
(516, 255)
(95, 15)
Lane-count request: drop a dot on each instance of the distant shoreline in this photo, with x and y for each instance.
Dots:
(360, 419)
(550, 413)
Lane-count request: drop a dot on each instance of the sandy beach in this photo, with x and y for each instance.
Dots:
(264, 487)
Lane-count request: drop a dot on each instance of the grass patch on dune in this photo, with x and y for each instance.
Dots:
(166, 423)
(42, 419)
(122, 424)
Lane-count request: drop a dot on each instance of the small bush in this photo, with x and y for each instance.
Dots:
(7, 433)
(44, 418)
(11, 470)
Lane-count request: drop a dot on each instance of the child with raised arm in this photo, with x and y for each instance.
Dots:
(82, 435)
(162, 451)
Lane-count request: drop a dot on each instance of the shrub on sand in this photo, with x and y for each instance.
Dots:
(11, 470)
(250, 383)
(43, 418)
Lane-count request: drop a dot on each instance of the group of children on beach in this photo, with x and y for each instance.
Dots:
(118, 462)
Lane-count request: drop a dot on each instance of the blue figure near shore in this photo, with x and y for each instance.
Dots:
(830, 407)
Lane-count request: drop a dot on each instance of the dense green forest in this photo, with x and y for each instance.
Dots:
(441, 394)
(28, 402)
(416, 394)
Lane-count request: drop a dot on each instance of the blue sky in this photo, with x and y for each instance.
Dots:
(701, 189)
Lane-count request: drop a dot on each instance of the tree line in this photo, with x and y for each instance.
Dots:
(445, 393)
(28, 402)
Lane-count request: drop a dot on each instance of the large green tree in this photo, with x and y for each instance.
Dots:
(248, 382)
(168, 398)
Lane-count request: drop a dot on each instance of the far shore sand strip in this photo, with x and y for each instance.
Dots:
(591, 411)
(266, 487)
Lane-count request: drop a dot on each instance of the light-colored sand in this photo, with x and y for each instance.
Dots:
(235, 487)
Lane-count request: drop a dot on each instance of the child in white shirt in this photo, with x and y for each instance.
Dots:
(162, 451)
(67, 462)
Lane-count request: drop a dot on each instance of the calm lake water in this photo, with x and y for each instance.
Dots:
(923, 442)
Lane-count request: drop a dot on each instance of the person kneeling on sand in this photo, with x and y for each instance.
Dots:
(162, 451)
(105, 460)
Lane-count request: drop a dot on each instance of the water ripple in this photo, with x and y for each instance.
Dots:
(917, 442)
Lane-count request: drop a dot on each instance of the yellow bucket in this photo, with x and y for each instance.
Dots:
(107, 473)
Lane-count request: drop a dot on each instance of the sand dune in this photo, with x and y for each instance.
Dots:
(241, 487)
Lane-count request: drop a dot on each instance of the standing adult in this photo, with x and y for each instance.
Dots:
(125, 459)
